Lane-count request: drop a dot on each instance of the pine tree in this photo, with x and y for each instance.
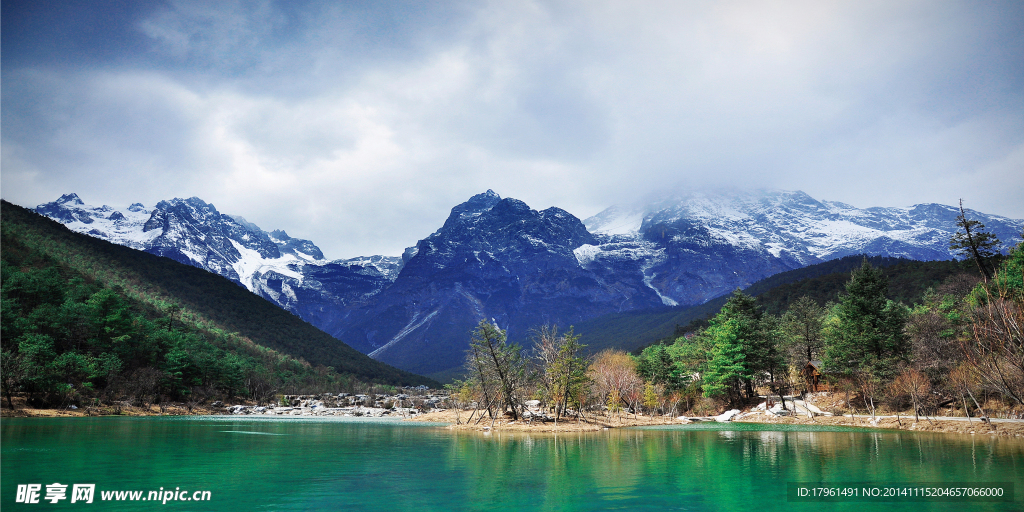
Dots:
(867, 333)
(725, 367)
(757, 335)
(972, 241)
(655, 364)
(803, 322)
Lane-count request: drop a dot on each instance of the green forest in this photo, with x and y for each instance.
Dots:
(86, 321)
(823, 282)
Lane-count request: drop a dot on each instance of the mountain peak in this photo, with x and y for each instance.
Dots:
(484, 201)
(71, 198)
(476, 204)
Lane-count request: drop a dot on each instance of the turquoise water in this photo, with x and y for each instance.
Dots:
(330, 464)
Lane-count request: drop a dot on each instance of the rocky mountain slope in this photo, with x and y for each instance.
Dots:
(494, 258)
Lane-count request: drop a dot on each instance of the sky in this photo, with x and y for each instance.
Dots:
(360, 124)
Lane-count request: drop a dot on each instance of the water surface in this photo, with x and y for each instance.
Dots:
(332, 464)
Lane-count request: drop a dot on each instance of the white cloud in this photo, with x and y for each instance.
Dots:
(360, 129)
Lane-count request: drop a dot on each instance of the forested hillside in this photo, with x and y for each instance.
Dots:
(83, 314)
(822, 282)
(908, 280)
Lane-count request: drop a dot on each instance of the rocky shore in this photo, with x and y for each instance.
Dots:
(1003, 428)
(828, 409)
(400, 405)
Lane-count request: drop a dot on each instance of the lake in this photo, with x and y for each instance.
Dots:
(247, 463)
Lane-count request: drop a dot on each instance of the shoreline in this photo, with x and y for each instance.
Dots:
(593, 423)
(322, 404)
(240, 410)
(456, 420)
(1000, 427)
(82, 412)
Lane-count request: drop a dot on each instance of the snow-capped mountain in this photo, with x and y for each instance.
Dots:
(795, 224)
(291, 272)
(697, 246)
(499, 259)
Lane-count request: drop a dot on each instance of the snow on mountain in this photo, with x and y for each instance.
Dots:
(189, 230)
(123, 227)
(616, 220)
(793, 224)
(388, 266)
(291, 272)
(693, 247)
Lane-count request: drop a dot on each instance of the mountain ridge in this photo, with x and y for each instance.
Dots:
(497, 258)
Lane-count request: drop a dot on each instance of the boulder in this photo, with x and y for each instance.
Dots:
(727, 416)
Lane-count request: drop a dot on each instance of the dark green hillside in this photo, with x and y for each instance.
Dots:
(908, 280)
(633, 330)
(822, 282)
(38, 252)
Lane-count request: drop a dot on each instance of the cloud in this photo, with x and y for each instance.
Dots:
(224, 32)
(359, 125)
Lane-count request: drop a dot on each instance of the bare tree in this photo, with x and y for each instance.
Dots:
(996, 346)
(614, 370)
(545, 353)
(868, 384)
(847, 386)
(259, 388)
(137, 388)
(963, 378)
(915, 385)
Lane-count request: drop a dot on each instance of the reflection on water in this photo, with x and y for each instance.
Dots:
(291, 464)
